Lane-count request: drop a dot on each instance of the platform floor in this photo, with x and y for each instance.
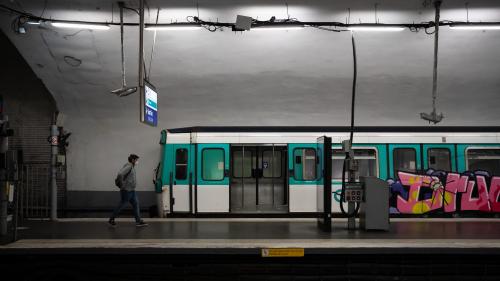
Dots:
(231, 249)
(249, 236)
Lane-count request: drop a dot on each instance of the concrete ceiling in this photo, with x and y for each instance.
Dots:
(270, 78)
(298, 77)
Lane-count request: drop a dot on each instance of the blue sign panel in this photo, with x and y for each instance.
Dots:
(150, 105)
(150, 116)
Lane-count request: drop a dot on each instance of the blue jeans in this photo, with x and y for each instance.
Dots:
(126, 197)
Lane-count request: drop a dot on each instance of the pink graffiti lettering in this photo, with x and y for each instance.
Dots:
(454, 184)
(445, 195)
(481, 203)
(494, 194)
(413, 205)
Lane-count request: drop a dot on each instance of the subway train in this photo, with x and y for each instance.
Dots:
(274, 170)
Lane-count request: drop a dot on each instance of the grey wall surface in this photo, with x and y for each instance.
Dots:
(30, 108)
(28, 104)
(298, 77)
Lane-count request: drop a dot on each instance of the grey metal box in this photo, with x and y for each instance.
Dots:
(243, 22)
(374, 212)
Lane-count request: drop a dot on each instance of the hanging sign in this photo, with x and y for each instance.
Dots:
(150, 105)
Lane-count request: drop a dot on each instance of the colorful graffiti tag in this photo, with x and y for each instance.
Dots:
(445, 192)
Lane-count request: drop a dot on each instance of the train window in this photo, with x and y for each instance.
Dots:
(305, 164)
(242, 161)
(181, 159)
(271, 164)
(337, 163)
(367, 160)
(212, 160)
(405, 159)
(439, 159)
(484, 159)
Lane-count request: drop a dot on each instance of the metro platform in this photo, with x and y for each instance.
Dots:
(249, 236)
(420, 248)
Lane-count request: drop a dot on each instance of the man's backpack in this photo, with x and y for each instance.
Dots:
(119, 181)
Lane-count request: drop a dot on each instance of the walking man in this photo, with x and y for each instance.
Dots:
(126, 181)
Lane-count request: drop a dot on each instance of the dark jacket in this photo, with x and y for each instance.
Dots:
(128, 181)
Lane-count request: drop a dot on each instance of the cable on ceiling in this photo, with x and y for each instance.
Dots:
(214, 26)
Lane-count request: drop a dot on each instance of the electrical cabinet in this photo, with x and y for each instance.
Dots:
(374, 211)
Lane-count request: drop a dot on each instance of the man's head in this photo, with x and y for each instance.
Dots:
(133, 158)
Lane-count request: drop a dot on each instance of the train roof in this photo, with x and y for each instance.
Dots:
(336, 129)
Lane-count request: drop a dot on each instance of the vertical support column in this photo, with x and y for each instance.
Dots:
(437, 4)
(3, 206)
(4, 146)
(351, 206)
(324, 195)
(141, 59)
(54, 132)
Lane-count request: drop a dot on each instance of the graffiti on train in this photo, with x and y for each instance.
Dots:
(444, 192)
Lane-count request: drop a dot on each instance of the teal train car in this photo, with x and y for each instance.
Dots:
(275, 170)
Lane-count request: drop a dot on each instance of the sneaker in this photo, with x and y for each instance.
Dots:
(112, 222)
(141, 223)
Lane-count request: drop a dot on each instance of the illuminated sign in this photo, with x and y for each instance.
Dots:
(150, 105)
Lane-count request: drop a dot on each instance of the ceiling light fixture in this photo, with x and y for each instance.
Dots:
(277, 27)
(375, 27)
(172, 27)
(34, 22)
(81, 25)
(478, 26)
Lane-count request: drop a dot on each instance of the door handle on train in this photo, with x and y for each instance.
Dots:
(226, 173)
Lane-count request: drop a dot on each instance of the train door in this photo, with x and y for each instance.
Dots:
(182, 178)
(272, 195)
(212, 192)
(243, 179)
(439, 157)
(258, 179)
(405, 158)
(302, 167)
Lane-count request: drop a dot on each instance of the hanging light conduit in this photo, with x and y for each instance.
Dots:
(124, 90)
(433, 116)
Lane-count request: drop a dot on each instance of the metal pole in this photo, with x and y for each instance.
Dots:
(121, 38)
(3, 212)
(16, 211)
(141, 59)
(242, 171)
(4, 146)
(272, 174)
(351, 207)
(53, 171)
(433, 116)
(21, 190)
(31, 202)
(436, 44)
